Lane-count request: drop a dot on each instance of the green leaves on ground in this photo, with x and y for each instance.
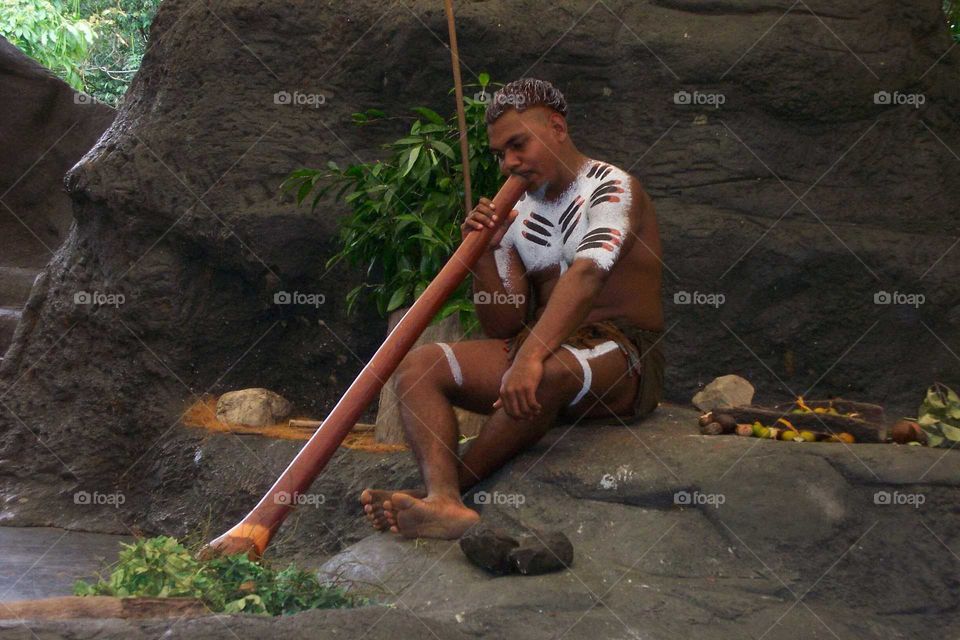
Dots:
(940, 416)
(162, 567)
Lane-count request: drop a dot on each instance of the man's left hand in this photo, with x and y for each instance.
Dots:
(518, 388)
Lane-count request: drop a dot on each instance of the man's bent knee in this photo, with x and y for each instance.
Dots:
(428, 363)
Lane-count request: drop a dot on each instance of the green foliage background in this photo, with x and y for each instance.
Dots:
(406, 210)
(952, 9)
(94, 45)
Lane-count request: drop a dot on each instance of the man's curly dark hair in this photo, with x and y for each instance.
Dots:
(525, 93)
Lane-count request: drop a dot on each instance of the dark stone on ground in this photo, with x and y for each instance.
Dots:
(489, 548)
(542, 552)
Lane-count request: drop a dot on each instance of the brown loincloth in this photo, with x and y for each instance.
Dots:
(641, 347)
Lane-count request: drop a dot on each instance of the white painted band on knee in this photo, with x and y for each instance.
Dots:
(452, 361)
(583, 356)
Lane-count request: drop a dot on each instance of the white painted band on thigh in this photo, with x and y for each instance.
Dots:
(452, 361)
(583, 356)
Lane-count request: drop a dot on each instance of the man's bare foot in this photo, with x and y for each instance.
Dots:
(432, 517)
(373, 500)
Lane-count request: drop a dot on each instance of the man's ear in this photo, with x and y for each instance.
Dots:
(558, 125)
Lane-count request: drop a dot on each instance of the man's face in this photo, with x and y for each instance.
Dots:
(527, 144)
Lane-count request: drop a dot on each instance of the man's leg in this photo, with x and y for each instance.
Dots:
(609, 392)
(439, 512)
(426, 381)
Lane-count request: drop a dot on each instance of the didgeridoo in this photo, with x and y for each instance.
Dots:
(252, 534)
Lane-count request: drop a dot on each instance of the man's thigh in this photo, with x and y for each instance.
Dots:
(471, 372)
(474, 369)
(605, 386)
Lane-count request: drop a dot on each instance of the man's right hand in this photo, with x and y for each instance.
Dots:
(486, 215)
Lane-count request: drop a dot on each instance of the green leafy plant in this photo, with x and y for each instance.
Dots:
(952, 9)
(51, 33)
(162, 567)
(406, 210)
(940, 416)
(158, 567)
(93, 45)
(114, 57)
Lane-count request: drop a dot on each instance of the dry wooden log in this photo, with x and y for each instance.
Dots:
(865, 411)
(67, 607)
(313, 425)
(824, 423)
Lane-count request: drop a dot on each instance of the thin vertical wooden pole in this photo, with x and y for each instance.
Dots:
(461, 115)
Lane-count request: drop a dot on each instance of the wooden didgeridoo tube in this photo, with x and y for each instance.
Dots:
(252, 534)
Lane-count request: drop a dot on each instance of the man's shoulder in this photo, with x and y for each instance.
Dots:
(600, 177)
(602, 170)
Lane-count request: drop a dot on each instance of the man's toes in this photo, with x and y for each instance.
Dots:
(378, 522)
(366, 497)
(399, 502)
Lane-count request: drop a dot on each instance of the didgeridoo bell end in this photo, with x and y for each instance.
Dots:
(248, 539)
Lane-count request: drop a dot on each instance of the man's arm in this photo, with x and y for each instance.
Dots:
(616, 212)
(500, 292)
(570, 302)
(609, 236)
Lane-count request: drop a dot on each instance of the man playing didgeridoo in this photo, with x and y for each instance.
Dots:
(568, 292)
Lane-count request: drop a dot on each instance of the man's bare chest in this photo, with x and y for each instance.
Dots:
(548, 234)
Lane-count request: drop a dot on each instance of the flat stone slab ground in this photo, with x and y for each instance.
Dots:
(44, 562)
(676, 535)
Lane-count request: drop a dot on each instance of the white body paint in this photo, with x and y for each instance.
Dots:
(452, 361)
(549, 234)
(584, 356)
(501, 256)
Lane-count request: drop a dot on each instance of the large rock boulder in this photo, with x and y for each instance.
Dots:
(696, 536)
(675, 535)
(792, 199)
(46, 127)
